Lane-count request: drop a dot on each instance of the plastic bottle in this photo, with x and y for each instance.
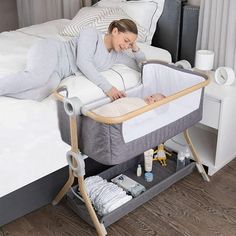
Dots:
(139, 170)
(148, 159)
(187, 156)
(148, 176)
(180, 160)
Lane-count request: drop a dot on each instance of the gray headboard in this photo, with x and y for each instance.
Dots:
(176, 30)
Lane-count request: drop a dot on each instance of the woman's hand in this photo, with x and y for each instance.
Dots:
(114, 94)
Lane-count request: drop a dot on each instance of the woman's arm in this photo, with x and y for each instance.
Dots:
(134, 61)
(86, 46)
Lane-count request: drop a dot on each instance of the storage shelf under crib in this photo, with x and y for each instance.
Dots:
(163, 177)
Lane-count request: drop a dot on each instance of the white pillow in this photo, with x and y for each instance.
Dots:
(85, 16)
(144, 12)
(109, 3)
(99, 18)
(102, 24)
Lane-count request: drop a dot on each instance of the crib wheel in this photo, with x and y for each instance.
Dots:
(76, 163)
(72, 106)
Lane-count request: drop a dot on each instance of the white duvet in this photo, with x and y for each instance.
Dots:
(30, 142)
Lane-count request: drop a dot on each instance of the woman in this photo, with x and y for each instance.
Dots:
(49, 61)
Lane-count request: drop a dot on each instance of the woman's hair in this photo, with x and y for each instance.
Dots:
(123, 25)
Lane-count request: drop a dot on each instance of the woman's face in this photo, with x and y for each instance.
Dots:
(122, 41)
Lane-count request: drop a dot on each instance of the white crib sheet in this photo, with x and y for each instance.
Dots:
(30, 142)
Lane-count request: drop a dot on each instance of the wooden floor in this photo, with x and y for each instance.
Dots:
(190, 207)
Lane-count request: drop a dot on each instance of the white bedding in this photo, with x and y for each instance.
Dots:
(30, 143)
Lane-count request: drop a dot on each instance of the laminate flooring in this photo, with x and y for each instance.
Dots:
(189, 207)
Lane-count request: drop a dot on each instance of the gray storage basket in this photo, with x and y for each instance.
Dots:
(164, 177)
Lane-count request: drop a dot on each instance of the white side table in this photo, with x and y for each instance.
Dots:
(215, 136)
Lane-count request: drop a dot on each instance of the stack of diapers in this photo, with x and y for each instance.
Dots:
(105, 196)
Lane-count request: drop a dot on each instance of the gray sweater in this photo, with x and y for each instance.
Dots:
(88, 53)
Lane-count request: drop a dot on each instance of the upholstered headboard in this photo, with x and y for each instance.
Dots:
(176, 30)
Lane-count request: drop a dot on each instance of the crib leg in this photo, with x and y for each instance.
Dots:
(75, 149)
(65, 188)
(101, 230)
(195, 156)
(77, 166)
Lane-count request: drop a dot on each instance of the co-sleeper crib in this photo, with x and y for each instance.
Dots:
(111, 140)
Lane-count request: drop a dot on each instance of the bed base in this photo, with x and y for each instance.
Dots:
(77, 164)
(32, 196)
(40, 192)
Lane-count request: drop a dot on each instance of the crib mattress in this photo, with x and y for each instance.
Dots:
(30, 142)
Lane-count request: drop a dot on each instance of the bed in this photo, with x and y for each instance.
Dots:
(32, 156)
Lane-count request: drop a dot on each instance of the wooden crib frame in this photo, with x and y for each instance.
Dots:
(77, 167)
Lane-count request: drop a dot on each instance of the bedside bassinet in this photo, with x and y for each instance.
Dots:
(115, 140)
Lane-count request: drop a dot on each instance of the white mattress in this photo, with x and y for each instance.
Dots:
(30, 143)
